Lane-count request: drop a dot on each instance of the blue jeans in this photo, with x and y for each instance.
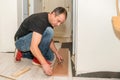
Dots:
(23, 44)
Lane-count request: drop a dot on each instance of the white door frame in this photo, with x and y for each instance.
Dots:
(75, 30)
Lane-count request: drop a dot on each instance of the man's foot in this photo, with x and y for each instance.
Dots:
(18, 55)
(36, 62)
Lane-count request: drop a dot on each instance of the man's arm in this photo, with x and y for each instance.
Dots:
(54, 49)
(36, 39)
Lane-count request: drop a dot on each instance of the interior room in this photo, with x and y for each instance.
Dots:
(89, 40)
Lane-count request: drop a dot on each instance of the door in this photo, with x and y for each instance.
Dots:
(97, 47)
(63, 30)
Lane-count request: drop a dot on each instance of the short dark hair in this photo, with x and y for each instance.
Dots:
(60, 10)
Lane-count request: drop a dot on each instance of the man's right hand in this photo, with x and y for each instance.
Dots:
(47, 69)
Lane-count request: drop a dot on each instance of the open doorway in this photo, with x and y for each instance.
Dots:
(65, 30)
(64, 33)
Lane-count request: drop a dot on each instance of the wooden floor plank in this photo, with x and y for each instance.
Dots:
(61, 69)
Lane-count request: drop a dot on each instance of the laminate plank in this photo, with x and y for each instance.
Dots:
(61, 69)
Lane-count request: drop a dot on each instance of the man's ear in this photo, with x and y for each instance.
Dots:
(54, 14)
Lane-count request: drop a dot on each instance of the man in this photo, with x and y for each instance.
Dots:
(34, 38)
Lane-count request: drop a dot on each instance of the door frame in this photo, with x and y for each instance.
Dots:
(74, 28)
(75, 31)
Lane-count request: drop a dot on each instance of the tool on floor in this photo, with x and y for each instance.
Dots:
(62, 60)
(17, 74)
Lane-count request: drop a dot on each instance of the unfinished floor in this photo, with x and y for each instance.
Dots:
(10, 70)
(25, 70)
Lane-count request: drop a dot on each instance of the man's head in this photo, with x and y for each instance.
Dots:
(57, 16)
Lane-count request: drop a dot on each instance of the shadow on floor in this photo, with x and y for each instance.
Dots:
(101, 74)
(67, 45)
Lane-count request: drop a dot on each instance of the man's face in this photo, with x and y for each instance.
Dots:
(57, 20)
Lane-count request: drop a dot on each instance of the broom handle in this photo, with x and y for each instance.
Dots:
(117, 8)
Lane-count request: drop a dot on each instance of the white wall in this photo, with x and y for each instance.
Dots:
(8, 24)
(37, 6)
(20, 15)
(98, 49)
